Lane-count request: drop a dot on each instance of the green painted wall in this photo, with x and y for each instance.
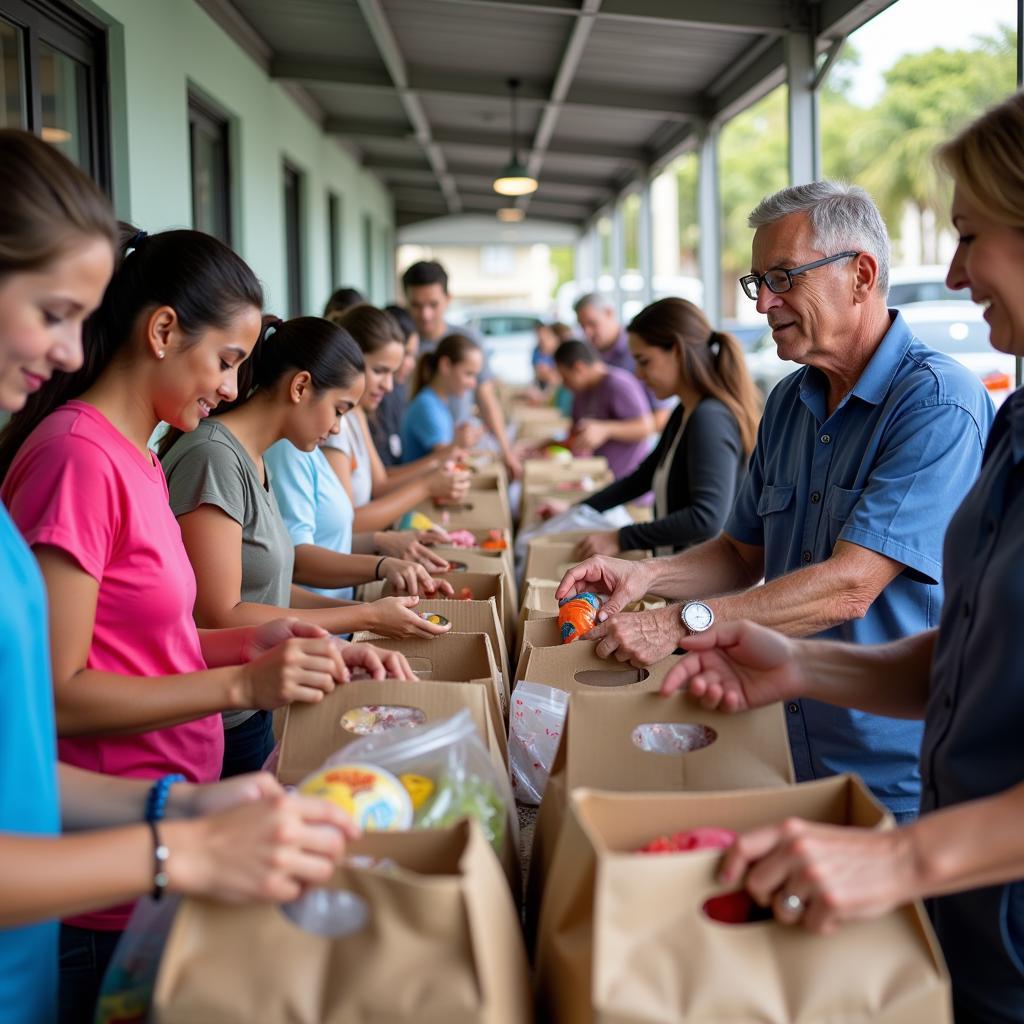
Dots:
(161, 48)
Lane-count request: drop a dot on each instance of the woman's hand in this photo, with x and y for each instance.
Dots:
(397, 618)
(411, 578)
(735, 666)
(412, 546)
(265, 637)
(468, 435)
(606, 543)
(365, 660)
(553, 507)
(448, 485)
(299, 669)
(266, 850)
(220, 796)
(836, 874)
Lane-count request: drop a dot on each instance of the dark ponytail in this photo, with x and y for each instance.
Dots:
(455, 347)
(308, 343)
(199, 277)
(712, 361)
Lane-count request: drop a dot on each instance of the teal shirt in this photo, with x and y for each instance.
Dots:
(427, 423)
(28, 765)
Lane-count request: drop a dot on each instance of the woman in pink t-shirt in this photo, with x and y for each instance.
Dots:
(138, 688)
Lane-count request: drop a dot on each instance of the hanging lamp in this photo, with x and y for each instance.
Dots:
(514, 179)
(510, 214)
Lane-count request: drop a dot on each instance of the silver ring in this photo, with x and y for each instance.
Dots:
(793, 903)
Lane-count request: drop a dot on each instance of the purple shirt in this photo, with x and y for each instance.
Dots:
(618, 396)
(619, 354)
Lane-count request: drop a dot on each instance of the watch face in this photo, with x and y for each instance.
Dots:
(697, 616)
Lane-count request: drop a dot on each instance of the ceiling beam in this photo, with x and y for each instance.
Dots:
(387, 166)
(841, 17)
(757, 80)
(387, 45)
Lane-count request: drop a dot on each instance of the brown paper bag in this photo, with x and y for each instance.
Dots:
(312, 732)
(613, 740)
(623, 937)
(441, 944)
(458, 658)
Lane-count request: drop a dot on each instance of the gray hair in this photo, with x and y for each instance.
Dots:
(592, 299)
(842, 217)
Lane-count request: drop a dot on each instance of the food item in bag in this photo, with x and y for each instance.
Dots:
(434, 619)
(416, 521)
(465, 796)
(465, 594)
(730, 908)
(374, 799)
(461, 539)
(494, 542)
(577, 616)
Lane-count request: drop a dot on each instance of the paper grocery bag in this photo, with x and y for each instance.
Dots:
(634, 740)
(312, 732)
(623, 936)
(465, 617)
(457, 658)
(440, 944)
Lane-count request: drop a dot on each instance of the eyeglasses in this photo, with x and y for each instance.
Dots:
(779, 280)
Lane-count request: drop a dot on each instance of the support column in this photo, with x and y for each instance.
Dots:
(710, 224)
(645, 241)
(804, 121)
(618, 254)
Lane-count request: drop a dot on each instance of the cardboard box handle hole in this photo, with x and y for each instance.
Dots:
(375, 718)
(672, 738)
(611, 676)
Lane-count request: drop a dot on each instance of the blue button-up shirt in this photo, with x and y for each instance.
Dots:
(974, 725)
(886, 470)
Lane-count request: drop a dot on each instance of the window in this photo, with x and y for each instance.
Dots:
(209, 158)
(334, 239)
(293, 240)
(368, 255)
(53, 80)
(497, 260)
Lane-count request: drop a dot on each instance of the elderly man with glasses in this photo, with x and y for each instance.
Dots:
(862, 456)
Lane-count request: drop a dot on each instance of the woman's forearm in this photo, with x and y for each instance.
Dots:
(395, 476)
(93, 703)
(381, 513)
(321, 567)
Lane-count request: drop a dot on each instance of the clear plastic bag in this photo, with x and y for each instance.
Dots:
(578, 517)
(535, 729)
(448, 773)
(127, 990)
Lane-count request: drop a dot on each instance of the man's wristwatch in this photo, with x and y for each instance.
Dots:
(696, 617)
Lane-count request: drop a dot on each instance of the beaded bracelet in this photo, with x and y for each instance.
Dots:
(160, 857)
(156, 799)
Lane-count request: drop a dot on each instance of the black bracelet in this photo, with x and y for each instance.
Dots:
(376, 572)
(160, 857)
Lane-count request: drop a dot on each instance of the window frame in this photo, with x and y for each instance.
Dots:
(335, 215)
(294, 248)
(77, 35)
(207, 117)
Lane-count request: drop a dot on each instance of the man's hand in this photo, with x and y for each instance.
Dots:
(641, 638)
(625, 581)
(589, 435)
(605, 543)
(736, 666)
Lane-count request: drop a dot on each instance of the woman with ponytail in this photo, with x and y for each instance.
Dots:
(702, 453)
(450, 371)
(91, 502)
(381, 496)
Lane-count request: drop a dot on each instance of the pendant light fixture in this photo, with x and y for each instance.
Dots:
(514, 179)
(510, 214)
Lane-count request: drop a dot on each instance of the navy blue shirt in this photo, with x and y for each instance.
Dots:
(886, 470)
(974, 726)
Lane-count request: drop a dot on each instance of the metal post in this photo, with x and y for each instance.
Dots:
(804, 121)
(645, 240)
(709, 222)
(618, 254)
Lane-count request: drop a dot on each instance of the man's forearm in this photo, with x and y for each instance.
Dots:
(714, 567)
(491, 414)
(629, 430)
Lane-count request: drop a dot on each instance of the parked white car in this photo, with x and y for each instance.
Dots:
(920, 284)
(510, 336)
(955, 327)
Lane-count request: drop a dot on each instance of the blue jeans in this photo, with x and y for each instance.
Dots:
(248, 745)
(84, 955)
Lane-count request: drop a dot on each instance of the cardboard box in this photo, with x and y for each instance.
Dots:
(312, 732)
(488, 563)
(481, 510)
(466, 617)
(613, 948)
(543, 471)
(603, 747)
(441, 943)
(552, 559)
(458, 658)
(547, 431)
(540, 632)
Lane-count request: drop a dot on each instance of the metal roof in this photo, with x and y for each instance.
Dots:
(611, 89)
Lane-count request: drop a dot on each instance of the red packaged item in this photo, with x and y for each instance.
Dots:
(730, 908)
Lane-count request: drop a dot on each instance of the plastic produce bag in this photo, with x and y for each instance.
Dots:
(127, 989)
(448, 773)
(535, 728)
(579, 517)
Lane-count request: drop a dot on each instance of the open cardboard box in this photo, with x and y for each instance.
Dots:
(540, 632)
(458, 658)
(488, 563)
(466, 617)
(552, 559)
(480, 510)
(313, 732)
(610, 942)
(546, 471)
